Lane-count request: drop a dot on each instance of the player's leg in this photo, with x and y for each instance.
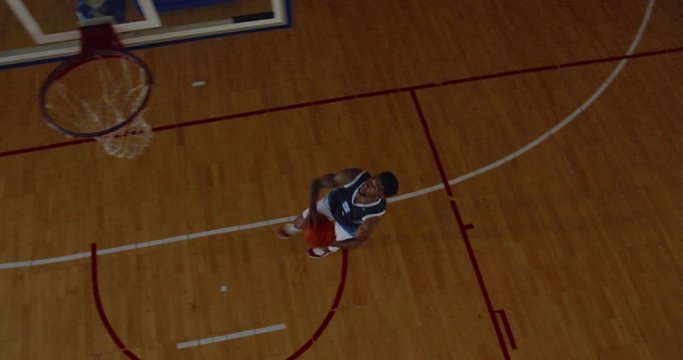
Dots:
(341, 234)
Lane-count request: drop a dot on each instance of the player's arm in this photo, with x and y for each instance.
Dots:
(330, 181)
(362, 234)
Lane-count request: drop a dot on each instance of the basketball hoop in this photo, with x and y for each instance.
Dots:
(101, 94)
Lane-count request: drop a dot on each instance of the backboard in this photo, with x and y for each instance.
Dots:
(37, 31)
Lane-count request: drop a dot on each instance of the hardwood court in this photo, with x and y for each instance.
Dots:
(577, 240)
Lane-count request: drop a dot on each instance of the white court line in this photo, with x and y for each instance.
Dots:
(161, 241)
(232, 336)
(60, 259)
(459, 179)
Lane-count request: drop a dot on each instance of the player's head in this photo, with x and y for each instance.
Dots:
(389, 183)
(383, 184)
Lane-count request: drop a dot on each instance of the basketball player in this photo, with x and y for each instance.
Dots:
(355, 204)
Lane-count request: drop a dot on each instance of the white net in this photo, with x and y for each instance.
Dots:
(129, 141)
(96, 96)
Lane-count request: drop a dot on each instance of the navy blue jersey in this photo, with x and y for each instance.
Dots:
(346, 212)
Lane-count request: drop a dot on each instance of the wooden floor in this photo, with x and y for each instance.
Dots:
(578, 241)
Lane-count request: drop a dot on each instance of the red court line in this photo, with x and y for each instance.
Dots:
(508, 329)
(463, 228)
(365, 95)
(100, 307)
(44, 147)
(562, 66)
(330, 314)
(435, 153)
(316, 335)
